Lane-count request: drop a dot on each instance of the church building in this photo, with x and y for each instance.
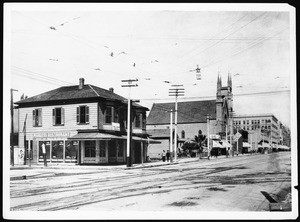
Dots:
(192, 117)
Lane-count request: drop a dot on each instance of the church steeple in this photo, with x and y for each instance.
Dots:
(219, 83)
(229, 82)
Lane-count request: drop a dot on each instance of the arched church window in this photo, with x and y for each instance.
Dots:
(182, 134)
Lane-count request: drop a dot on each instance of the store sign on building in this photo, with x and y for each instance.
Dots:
(52, 135)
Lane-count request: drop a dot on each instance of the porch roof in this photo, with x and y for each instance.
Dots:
(107, 136)
(95, 136)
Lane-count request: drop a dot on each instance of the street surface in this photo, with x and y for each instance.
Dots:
(240, 183)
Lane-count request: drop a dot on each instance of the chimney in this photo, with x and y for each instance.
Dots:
(81, 83)
(111, 89)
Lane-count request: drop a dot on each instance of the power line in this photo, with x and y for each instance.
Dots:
(251, 46)
(41, 76)
(211, 97)
(214, 36)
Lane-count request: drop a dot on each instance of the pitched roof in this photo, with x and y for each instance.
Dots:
(158, 133)
(188, 112)
(73, 92)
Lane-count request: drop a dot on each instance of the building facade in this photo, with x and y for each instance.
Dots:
(81, 124)
(262, 128)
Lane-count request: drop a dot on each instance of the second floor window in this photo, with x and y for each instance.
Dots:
(111, 115)
(108, 114)
(144, 121)
(138, 117)
(82, 114)
(58, 116)
(37, 117)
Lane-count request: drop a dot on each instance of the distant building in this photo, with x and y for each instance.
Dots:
(262, 128)
(192, 117)
(83, 124)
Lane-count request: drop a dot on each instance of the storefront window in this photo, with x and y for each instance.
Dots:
(90, 149)
(57, 150)
(112, 151)
(120, 149)
(47, 146)
(71, 151)
(102, 148)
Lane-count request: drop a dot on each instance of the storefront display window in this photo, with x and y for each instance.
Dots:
(102, 148)
(71, 151)
(57, 150)
(120, 149)
(47, 146)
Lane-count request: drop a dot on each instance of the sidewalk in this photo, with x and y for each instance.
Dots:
(21, 172)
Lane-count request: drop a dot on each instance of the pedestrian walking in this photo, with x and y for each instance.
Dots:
(163, 156)
(168, 155)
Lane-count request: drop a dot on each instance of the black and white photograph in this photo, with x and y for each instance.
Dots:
(149, 111)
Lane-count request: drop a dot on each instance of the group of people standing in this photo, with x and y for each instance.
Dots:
(166, 154)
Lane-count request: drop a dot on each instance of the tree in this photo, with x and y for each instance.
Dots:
(200, 138)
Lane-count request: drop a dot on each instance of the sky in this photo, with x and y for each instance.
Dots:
(48, 46)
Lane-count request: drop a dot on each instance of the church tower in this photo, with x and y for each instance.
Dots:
(223, 106)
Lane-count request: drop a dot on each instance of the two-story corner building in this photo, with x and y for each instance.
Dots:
(83, 124)
(192, 117)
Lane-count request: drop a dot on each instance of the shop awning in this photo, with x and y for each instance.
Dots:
(283, 147)
(245, 144)
(264, 145)
(225, 144)
(95, 136)
(216, 144)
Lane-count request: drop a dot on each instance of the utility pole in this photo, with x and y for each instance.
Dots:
(12, 126)
(207, 118)
(176, 92)
(128, 153)
(171, 139)
(24, 131)
(227, 148)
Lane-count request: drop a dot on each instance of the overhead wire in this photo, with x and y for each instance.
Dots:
(196, 48)
(41, 76)
(234, 95)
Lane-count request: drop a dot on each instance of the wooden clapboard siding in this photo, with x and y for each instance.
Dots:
(47, 124)
(101, 109)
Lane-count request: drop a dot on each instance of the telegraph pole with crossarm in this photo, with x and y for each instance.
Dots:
(128, 151)
(176, 91)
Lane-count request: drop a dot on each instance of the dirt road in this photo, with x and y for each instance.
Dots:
(240, 183)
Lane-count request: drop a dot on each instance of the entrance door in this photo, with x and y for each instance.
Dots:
(137, 152)
(112, 151)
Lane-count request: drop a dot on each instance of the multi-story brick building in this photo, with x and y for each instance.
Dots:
(84, 124)
(261, 128)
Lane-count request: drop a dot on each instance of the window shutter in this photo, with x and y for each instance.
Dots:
(40, 116)
(87, 114)
(33, 117)
(77, 114)
(62, 116)
(53, 116)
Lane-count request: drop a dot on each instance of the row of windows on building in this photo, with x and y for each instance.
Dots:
(111, 114)
(255, 127)
(263, 121)
(56, 151)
